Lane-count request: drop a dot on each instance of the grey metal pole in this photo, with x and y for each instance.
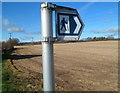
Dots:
(47, 47)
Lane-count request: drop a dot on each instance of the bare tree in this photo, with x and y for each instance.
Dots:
(9, 44)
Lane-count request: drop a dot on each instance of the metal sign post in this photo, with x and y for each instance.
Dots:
(47, 46)
(68, 27)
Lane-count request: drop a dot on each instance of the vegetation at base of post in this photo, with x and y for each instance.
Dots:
(6, 71)
(14, 80)
(6, 49)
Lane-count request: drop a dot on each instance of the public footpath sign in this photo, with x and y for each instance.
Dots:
(68, 27)
(68, 24)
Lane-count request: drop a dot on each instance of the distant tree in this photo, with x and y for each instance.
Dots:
(15, 41)
(110, 37)
(3, 45)
(100, 38)
(9, 44)
(89, 38)
(95, 38)
(0, 45)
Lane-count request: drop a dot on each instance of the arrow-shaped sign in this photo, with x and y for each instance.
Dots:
(78, 24)
(69, 26)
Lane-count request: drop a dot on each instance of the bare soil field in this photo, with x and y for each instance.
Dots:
(82, 66)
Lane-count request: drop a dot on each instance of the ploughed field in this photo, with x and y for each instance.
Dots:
(82, 66)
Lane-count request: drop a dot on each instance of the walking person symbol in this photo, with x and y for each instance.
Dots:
(63, 22)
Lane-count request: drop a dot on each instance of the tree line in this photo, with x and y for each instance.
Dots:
(9, 44)
(100, 38)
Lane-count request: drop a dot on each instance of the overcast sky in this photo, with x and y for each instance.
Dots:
(23, 19)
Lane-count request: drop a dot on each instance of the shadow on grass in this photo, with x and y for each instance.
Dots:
(12, 81)
(6, 54)
(17, 57)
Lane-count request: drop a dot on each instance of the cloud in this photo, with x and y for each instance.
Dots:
(32, 32)
(6, 22)
(109, 30)
(12, 27)
(15, 29)
(26, 38)
(107, 20)
(84, 8)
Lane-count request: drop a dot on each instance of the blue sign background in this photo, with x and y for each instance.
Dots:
(72, 24)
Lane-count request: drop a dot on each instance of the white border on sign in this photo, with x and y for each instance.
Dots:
(66, 37)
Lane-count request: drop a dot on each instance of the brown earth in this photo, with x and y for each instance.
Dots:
(83, 66)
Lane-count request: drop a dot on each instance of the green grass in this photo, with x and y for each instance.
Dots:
(14, 81)
(6, 72)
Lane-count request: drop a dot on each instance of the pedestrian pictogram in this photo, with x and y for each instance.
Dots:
(69, 25)
(63, 22)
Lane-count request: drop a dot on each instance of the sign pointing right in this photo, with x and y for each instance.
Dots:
(78, 25)
(69, 26)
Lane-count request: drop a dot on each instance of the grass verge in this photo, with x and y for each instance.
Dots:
(18, 81)
(6, 71)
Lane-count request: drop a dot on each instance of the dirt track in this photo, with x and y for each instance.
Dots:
(83, 66)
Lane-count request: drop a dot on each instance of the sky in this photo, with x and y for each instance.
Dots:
(22, 19)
